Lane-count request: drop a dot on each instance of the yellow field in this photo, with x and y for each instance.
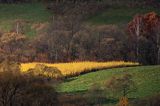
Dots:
(75, 68)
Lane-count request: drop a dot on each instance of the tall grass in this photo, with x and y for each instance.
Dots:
(76, 68)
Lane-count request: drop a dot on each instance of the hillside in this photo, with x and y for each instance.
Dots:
(79, 52)
(32, 13)
(37, 13)
(146, 78)
(120, 15)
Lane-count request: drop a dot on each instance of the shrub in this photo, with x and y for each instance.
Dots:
(43, 70)
(123, 102)
(17, 89)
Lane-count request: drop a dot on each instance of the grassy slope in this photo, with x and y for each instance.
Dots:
(34, 13)
(146, 77)
(120, 15)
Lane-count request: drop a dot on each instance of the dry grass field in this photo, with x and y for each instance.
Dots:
(76, 68)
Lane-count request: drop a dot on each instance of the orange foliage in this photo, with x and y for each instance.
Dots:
(147, 22)
(123, 101)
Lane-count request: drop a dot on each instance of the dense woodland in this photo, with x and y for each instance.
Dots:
(68, 37)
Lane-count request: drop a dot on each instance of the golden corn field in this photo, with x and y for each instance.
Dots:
(76, 68)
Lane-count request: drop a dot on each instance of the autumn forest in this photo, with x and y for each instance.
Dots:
(79, 52)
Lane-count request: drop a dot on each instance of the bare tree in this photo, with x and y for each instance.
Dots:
(145, 28)
(135, 27)
(158, 42)
(124, 84)
(17, 89)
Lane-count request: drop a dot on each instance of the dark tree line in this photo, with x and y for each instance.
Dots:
(55, 1)
(70, 39)
(12, 1)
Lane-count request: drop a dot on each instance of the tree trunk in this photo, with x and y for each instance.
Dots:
(99, 45)
(17, 28)
(158, 58)
(56, 56)
(124, 92)
(137, 39)
(158, 45)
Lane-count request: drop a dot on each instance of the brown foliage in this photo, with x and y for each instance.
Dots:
(147, 22)
(12, 44)
(144, 36)
(123, 102)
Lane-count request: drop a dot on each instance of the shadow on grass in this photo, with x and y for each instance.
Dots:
(74, 76)
(84, 98)
(102, 101)
(79, 92)
(69, 79)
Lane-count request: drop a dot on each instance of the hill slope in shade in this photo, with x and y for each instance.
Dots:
(120, 15)
(37, 13)
(32, 13)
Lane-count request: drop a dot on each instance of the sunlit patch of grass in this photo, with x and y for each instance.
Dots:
(76, 68)
(146, 78)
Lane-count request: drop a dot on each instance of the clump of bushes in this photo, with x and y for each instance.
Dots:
(43, 70)
(17, 89)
